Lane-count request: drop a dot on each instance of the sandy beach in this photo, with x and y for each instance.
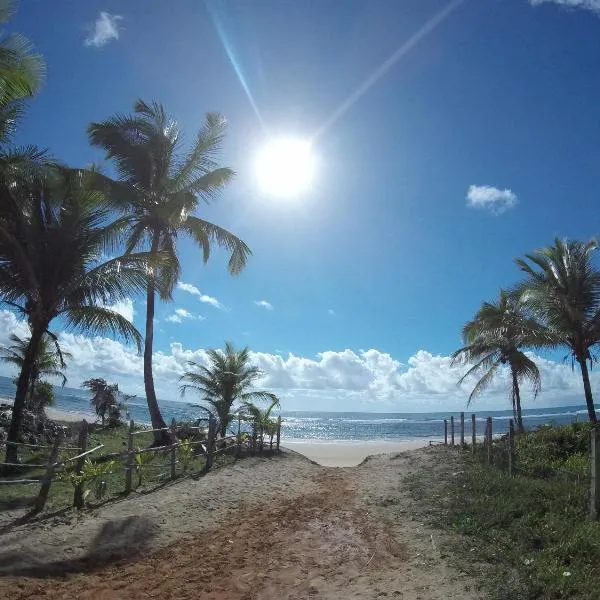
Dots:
(350, 453)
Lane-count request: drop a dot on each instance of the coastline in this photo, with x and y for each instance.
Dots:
(60, 415)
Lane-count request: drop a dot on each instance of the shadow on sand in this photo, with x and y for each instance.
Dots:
(117, 540)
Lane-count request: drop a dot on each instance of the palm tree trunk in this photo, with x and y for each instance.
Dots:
(517, 401)
(155, 415)
(587, 388)
(23, 382)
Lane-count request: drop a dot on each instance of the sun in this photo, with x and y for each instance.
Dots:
(285, 167)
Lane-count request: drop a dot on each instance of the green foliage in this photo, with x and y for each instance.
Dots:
(92, 477)
(42, 396)
(186, 452)
(105, 401)
(226, 381)
(142, 461)
(531, 532)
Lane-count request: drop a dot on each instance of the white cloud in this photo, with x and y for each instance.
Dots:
(264, 304)
(332, 380)
(192, 289)
(491, 198)
(104, 29)
(593, 5)
(180, 314)
(123, 307)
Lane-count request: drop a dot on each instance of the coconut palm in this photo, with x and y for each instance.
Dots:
(261, 418)
(21, 71)
(562, 288)
(228, 379)
(104, 396)
(160, 188)
(495, 338)
(50, 361)
(53, 235)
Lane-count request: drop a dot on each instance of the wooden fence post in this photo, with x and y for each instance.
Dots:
(40, 501)
(511, 447)
(238, 440)
(473, 433)
(210, 443)
(462, 429)
(445, 432)
(173, 448)
(595, 480)
(489, 440)
(452, 431)
(129, 463)
(278, 432)
(78, 499)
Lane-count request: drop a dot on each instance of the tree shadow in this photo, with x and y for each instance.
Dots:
(121, 539)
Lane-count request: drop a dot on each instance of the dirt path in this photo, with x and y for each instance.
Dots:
(293, 530)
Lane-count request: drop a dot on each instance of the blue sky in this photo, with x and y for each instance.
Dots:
(479, 144)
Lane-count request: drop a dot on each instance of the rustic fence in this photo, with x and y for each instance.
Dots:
(498, 449)
(179, 452)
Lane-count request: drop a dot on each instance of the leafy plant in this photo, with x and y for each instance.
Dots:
(141, 462)
(186, 452)
(92, 477)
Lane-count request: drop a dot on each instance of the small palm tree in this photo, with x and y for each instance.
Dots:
(562, 289)
(104, 396)
(261, 418)
(53, 234)
(50, 361)
(493, 339)
(227, 380)
(160, 190)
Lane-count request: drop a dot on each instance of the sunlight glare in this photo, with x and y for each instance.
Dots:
(285, 167)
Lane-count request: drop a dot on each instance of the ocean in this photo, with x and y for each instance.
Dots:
(333, 426)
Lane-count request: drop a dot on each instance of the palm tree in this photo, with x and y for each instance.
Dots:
(50, 361)
(494, 338)
(160, 189)
(562, 288)
(21, 71)
(104, 396)
(228, 379)
(261, 418)
(53, 235)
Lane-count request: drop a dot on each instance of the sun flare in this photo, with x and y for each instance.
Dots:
(285, 167)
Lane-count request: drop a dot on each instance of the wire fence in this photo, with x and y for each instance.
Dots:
(186, 450)
(518, 454)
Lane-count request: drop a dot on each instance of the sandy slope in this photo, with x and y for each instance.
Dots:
(264, 528)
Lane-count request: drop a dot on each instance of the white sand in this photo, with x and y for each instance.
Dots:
(60, 415)
(348, 454)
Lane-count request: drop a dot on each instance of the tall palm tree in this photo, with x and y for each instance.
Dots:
(562, 288)
(50, 361)
(53, 235)
(160, 188)
(494, 338)
(228, 379)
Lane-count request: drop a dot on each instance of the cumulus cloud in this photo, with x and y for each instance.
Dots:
(264, 304)
(593, 5)
(104, 29)
(206, 299)
(335, 380)
(180, 314)
(123, 307)
(491, 198)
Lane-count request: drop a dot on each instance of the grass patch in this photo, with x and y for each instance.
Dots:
(526, 537)
(155, 471)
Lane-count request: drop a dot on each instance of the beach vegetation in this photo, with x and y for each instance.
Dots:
(157, 190)
(105, 400)
(226, 384)
(493, 339)
(60, 216)
(262, 423)
(562, 289)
